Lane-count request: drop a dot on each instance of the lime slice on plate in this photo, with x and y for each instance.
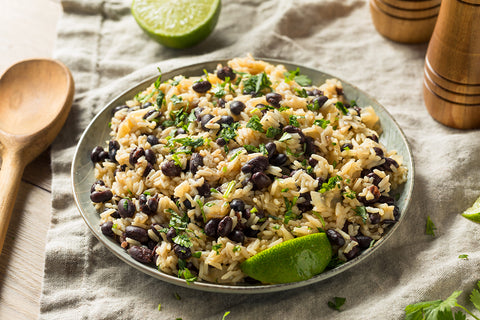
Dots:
(473, 213)
(290, 261)
(177, 23)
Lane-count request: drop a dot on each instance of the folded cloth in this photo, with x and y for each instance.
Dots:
(107, 53)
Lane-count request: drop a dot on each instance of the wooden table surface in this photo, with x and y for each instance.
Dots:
(28, 30)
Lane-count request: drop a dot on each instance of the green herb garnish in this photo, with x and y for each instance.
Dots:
(321, 123)
(289, 212)
(330, 184)
(362, 212)
(463, 256)
(341, 107)
(272, 132)
(257, 84)
(254, 124)
(184, 272)
(286, 136)
(430, 227)
(216, 247)
(336, 303)
(292, 120)
(295, 75)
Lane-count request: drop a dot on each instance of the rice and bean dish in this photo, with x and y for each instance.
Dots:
(204, 172)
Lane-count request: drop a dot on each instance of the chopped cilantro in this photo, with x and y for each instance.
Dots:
(235, 155)
(272, 132)
(286, 136)
(289, 212)
(463, 256)
(176, 99)
(219, 90)
(160, 98)
(236, 248)
(176, 81)
(225, 315)
(301, 93)
(336, 303)
(190, 142)
(159, 307)
(183, 240)
(341, 107)
(159, 79)
(177, 296)
(332, 182)
(197, 254)
(292, 120)
(362, 212)
(295, 75)
(229, 132)
(285, 190)
(254, 124)
(216, 247)
(430, 227)
(321, 123)
(200, 205)
(257, 84)
(351, 194)
(184, 272)
(229, 189)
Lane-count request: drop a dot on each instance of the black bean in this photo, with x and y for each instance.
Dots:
(320, 181)
(378, 151)
(106, 228)
(385, 199)
(274, 99)
(136, 233)
(150, 207)
(237, 205)
(249, 232)
(146, 105)
(225, 72)
(346, 146)
(317, 92)
(182, 252)
(126, 208)
(335, 237)
(141, 254)
(237, 236)
(358, 109)
(211, 227)
(375, 178)
(221, 142)
(98, 154)
(388, 163)
(135, 154)
(271, 149)
(352, 253)
(142, 200)
(247, 168)
(258, 164)
(319, 101)
(374, 217)
(221, 103)
(101, 196)
(204, 190)
(373, 137)
(198, 113)
(305, 205)
(246, 214)
(152, 227)
(278, 159)
(113, 147)
(150, 156)
(149, 113)
(236, 107)
(94, 185)
(228, 120)
(261, 180)
(365, 172)
(148, 168)
(262, 108)
(171, 233)
(151, 244)
(363, 241)
(118, 108)
(292, 129)
(187, 204)
(339, 91)
(396, 213)
(170, 169)
(205, 119)
(202, 86)
(115, 215)
(195, 161)
(312, 162)
(224, 226)
(310, 147)
(152, 139)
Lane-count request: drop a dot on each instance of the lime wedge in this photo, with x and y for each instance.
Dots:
(290, 261)
(473, 213)
(177, 23)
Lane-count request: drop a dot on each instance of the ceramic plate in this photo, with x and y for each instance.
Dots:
(97, 133)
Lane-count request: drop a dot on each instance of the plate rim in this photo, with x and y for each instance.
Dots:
(225, 288)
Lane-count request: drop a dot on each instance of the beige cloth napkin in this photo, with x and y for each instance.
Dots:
(107, 53)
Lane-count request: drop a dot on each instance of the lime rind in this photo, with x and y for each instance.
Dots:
(177, 23)
(290, 261)
(473, 213)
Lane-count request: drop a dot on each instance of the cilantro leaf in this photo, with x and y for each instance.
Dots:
(229, 132)
(295, 75)
(336, 303)
(292, 120)
(330, 184)
(362, 212)
(183, 240)
(322, 123)
(289, 212)
(225, 315)
(257, 84)
(475, 297)
(255, 124)
(341, 107)
(301, 93)
(430, 227)
(272, 132)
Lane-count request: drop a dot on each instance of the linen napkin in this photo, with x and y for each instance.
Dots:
(107, 53)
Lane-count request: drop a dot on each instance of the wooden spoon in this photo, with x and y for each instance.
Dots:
(35, 98)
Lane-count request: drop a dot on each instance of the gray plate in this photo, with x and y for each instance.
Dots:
(97, 133)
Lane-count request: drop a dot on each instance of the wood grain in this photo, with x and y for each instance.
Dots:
(405, 21)
(452, 66)
(28, 29)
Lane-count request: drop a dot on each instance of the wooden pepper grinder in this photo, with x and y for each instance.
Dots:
(405, 21)
(452, 65)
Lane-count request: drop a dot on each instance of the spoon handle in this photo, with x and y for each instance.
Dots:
(10, 176)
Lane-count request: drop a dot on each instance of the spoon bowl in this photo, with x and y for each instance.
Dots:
(35, 99)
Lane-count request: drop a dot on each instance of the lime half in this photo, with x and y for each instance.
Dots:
(290, 261)
(473, 213)
(177, 23)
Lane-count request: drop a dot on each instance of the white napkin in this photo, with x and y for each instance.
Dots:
(107, 52)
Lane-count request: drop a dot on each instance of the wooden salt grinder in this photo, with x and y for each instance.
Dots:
(452, 66)
(405, 21)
